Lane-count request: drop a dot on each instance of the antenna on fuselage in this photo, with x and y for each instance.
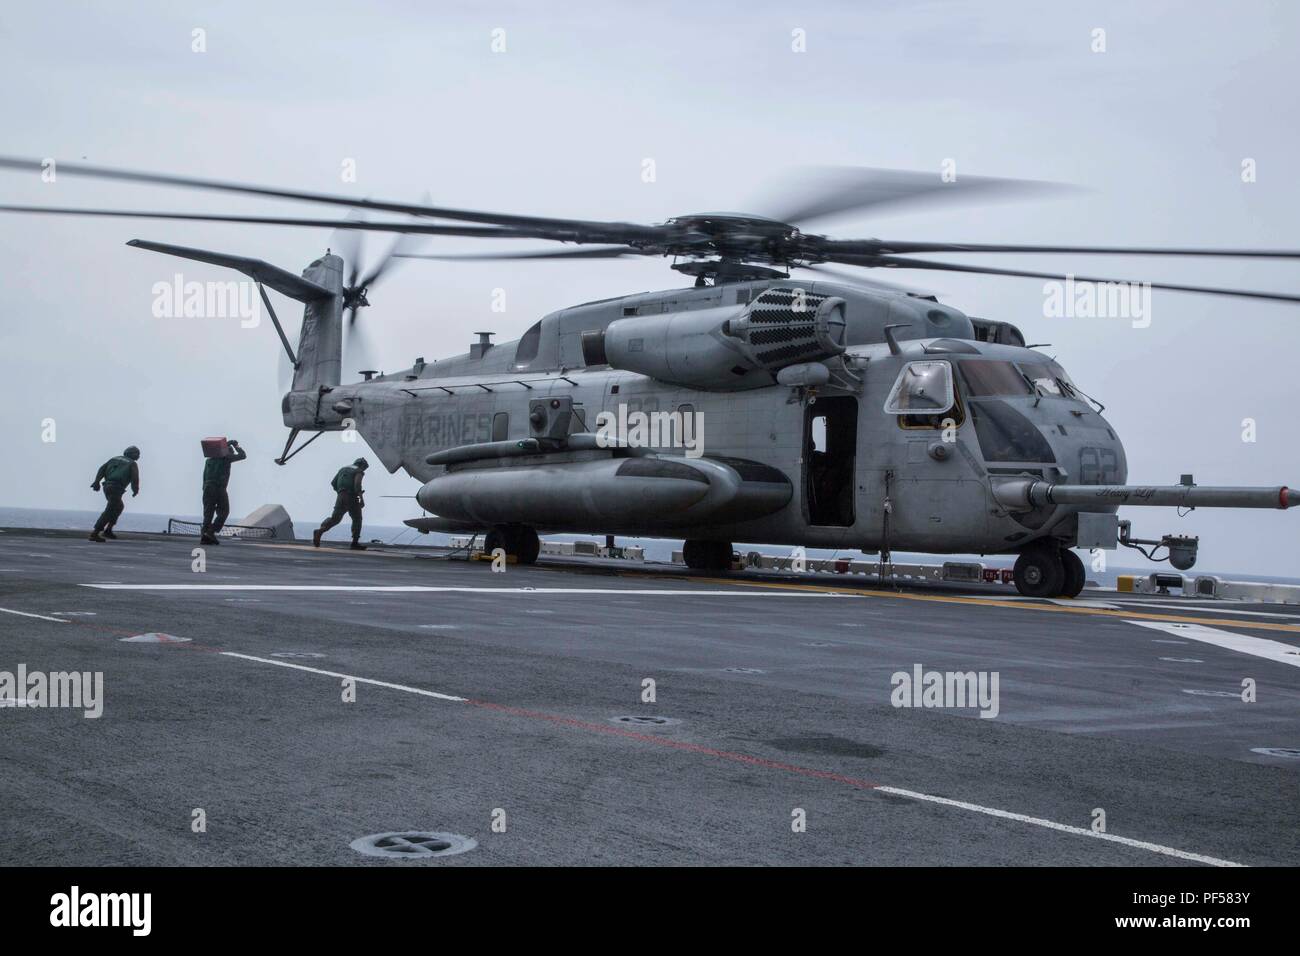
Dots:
(893, 342)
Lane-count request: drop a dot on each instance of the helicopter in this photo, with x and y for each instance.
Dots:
(841, 412)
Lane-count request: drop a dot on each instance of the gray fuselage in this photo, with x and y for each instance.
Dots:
(904, 482)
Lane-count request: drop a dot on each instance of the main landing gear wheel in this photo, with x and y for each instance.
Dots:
(1075, 576)
(1039, 571)
(707, 555)
(518, 541)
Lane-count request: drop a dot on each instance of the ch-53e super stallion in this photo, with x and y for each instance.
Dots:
(834, 413)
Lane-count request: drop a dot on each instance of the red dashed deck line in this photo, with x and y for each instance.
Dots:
(731, 755)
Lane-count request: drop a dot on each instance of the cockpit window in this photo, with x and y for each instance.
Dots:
(1067, 383)
(922, 388)
(989, 377)
(1006, 435)
(1050, 379)
(1042, 378)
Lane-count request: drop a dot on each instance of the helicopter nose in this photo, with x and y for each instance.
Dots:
(1089, 457)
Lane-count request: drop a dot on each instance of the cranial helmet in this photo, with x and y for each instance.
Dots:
(132, 452)
(362, 464)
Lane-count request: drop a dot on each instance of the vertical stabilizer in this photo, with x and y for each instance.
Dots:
(320, 344)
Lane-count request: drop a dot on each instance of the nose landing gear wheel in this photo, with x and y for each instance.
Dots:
(1039, 571)
(1075, 576)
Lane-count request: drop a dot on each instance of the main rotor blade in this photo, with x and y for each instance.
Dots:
(416, 228)
(402, 241)
(390, 258)
(899, 262)
(545, 227)
(839, 276)
(871, 247)
(600, 252)
(832, 190)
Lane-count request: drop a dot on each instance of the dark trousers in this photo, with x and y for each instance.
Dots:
(112, 510)
(215, 501)
(345, 504)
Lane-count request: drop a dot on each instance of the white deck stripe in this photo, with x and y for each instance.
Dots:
(422, 588)
(1257, 646)
(1061, 827)
(895, 791)
(40, 616)
(359, 680)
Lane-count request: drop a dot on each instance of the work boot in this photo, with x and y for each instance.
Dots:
(207, 538)
(315, 538)
(94, 536)
(108, 533)
(358, 546)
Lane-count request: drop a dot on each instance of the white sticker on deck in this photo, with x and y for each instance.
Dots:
(155, 637)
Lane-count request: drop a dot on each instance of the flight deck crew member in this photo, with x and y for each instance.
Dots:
(348, 501)
(116, 475)
(216, 476)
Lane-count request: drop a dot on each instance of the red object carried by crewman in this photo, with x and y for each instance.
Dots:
(215, 447)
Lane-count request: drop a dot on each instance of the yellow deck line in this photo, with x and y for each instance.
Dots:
(940, 598)
(1019, 605)
(335, 549)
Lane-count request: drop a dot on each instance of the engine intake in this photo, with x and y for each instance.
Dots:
(786, 326)
(723, 348)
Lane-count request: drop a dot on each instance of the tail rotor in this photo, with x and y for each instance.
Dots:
(350, 246)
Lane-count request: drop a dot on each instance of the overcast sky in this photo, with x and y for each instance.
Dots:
(560, 123)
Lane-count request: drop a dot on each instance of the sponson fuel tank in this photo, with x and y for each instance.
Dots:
(583, 491)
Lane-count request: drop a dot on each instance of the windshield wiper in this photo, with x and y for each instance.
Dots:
(1078, 391)
(1038, 392)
